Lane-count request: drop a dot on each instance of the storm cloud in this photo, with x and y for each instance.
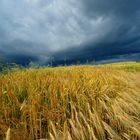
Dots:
(69, 30)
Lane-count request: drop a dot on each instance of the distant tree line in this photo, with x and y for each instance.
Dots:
(5, 67)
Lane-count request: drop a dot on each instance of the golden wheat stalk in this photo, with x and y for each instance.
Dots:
(8, 135)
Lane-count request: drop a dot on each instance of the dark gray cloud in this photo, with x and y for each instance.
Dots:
(124, 15)
(117, 8)
(82, 30)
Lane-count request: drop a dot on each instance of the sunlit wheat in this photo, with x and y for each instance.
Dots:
(71, 103)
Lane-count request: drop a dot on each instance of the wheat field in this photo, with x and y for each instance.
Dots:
(71, 103)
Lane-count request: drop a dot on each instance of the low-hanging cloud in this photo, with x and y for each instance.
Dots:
(38, 30)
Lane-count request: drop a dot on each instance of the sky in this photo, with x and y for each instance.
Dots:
(67, 31)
